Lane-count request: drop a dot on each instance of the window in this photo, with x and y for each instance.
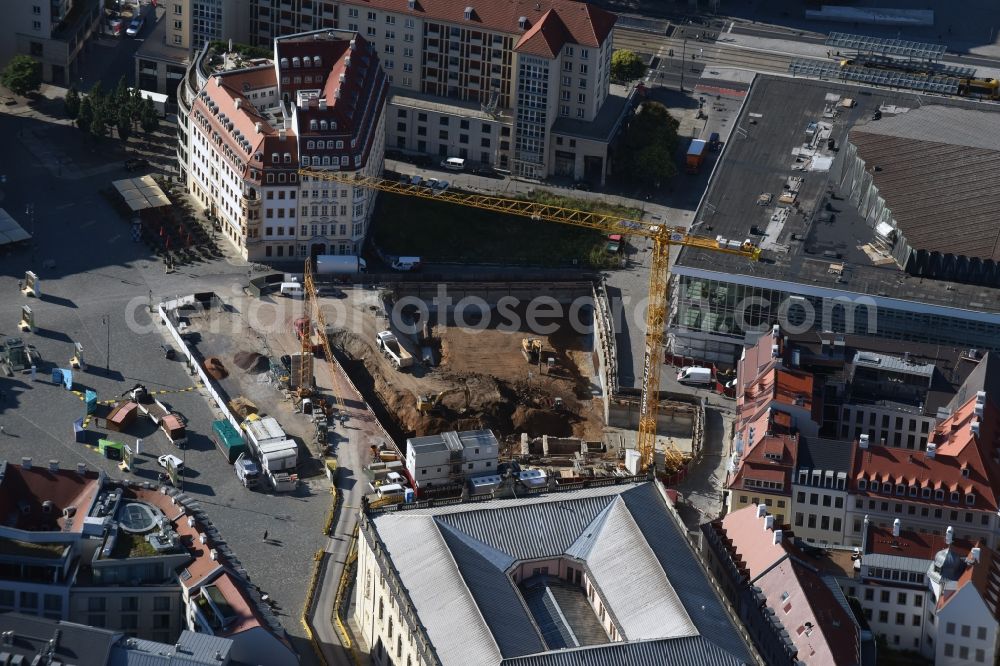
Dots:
(130, 604)
(966, 631)
(390, 34)
(950, 628)
(869, 594)
(390, 20)
(443, 135)
(798, 518)
(463, 138)
(884, 596)
(900, 618)
(372, 17)
(883, 617)
(949, 650)
(980, 655)
(36, 10)
(918, 600)
(901, 598)
(352, 12)
(916, 620)
(981, 633)
(97, 604)
(36, 25)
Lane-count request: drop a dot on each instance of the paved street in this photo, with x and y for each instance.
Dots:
(99, 281)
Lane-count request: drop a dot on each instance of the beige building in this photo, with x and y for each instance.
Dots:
(54, 32)
(245, 133)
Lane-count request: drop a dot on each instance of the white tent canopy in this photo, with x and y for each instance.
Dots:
(141, 192)
(10, 230)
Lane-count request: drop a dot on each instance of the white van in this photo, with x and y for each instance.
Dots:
(393, 490)
(454, 164)
(694, 375)
(406, 264)
(292, 289)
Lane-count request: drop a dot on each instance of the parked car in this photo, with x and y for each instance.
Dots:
(416, 180)
(582, 185)
(431, 183)
(170, 459)
(440, 186)
(134, 163)
(135, 27)
(486, 172)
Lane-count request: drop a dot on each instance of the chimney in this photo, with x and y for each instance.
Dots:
(237, 103)
(778, 536)
(776, 331)
(974, 554)
(259, 127)
(974, 427)
(768, 522)
(214, 554)
(53, 466)
(322, 104)
(281, 135)
(81, 468)
(931, 449)
(203, 538)
(949, 535)
(26, 463)
(190, 521)
(863, 441)
(895, 527)
(774, 351)
(761, 510)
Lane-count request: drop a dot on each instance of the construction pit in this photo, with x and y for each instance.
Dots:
(478, 378)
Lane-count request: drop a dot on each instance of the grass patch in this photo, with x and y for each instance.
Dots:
(131, 545)
(16, 548)
(441, 231)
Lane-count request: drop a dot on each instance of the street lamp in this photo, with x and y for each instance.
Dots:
(29, 210)
(683, 61)
(107, 357)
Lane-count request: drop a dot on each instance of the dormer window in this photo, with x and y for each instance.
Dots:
(321, 145)
(939, 495)
(862, 484)
(900, 489)
(954, 498)
(913, 491)
(275, 158)
(316, 61)
(314, 125)
(887, 488)
(970, 499)
(310, 145)
(288, 158)
(340, 145)
(323, 125)
(965, 472)
(925, 493)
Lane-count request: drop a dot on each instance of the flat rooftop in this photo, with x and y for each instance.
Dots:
(605, 124)
(824, 245)
(451, 107)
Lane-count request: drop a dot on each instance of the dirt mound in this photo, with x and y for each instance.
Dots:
(538, 422)
(251, 362)
(214, 367)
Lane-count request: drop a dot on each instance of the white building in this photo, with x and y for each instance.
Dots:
(482, 583)
(933, 594)
(450, 457)
(319, 104)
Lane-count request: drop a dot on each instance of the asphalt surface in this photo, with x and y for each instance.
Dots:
(96, 290)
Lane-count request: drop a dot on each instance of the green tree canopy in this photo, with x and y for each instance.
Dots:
(648, 145)
(149, 118)
(72, 102)
(123, 123)
(22, 75)
(86, 115)
(626, 66)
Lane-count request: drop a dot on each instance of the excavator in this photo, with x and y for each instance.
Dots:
(427, 404)
(663, 237)
(532, 350)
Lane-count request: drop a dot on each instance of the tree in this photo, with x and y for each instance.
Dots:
(648, 145)
(626, 66)
(123, 123)
(149, 118)
(99, 124)
(86, 115)
(72, 101)
(135, 104)
(22, 75)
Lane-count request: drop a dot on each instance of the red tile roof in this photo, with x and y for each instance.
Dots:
(755, 465)
(917, 545)
(755, 359)
(817, 623)
(546, 38)
(585, 24)
(957, 449)
(23, 493)
(246, 618)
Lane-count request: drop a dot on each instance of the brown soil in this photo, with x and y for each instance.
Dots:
(501, 395)
(251, 362)
(214, 367)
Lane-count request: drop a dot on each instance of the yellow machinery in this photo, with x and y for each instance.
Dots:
(314, 315)
(432, 403)
(663, 238)
(532, 349)
(988, 88)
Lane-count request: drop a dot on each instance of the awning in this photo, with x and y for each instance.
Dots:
(140, 193)
(10, 230)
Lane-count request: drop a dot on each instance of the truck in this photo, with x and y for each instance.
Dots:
(694, 375)
(247, 471)
(392, 350)
(271, 446)
(167, 420)
(339, 264)
(695, 156)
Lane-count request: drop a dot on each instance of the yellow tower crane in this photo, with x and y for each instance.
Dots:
(663, 238)
(313, 316)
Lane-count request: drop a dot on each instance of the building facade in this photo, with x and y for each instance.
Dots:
(320, 106)
(489, 83)
(190, 24)
(53, 33)
(450, 457)
(269, 20)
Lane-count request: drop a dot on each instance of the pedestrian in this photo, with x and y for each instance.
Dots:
(265, 535)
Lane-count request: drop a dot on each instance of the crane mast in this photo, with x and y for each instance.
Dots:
(663, 238)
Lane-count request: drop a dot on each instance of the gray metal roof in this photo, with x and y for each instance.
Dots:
(78, 645)
(684, 651)
(892, 47)
(894, 363)
(454, 560)
(453, 441)
(191, 649)
(985, 377)
(824, 454)
(899, 562)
